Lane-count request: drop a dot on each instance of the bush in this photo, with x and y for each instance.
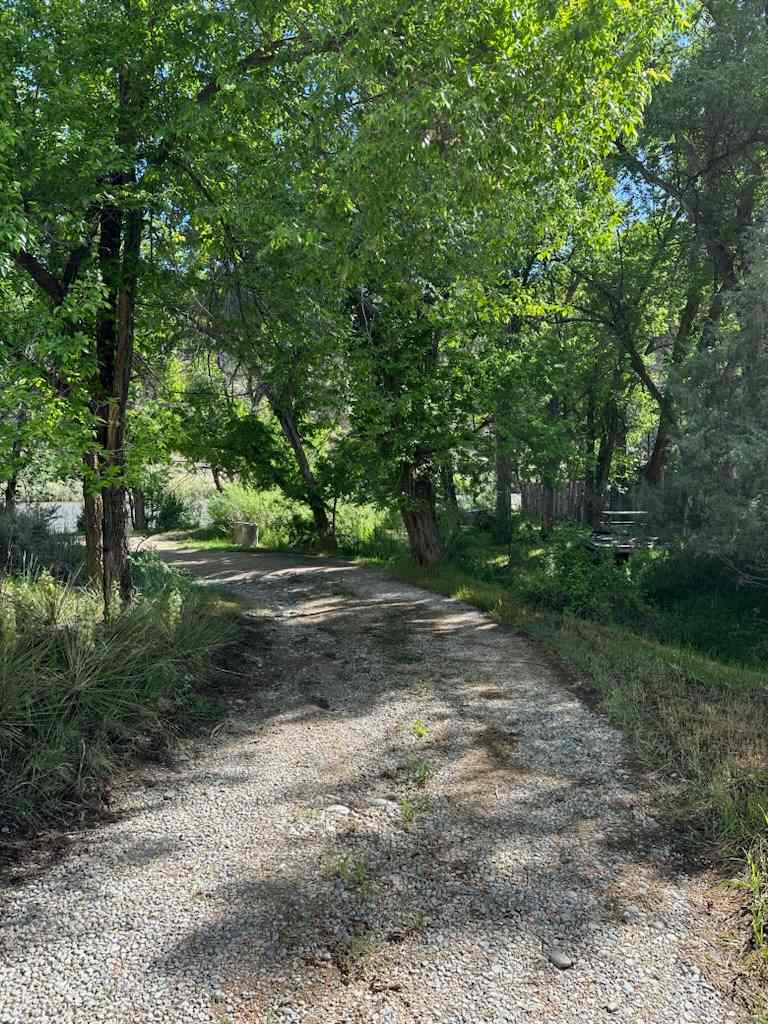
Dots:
(364, 530)
(172, 513)
(28, 546)
(701, 604)
(78, 694)
(282, 522)
(164, 507)
(585, 583)
(271, 511)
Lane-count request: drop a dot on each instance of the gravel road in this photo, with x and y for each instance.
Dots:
(406, 818)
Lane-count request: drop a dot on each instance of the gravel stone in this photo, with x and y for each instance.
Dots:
(560, 958)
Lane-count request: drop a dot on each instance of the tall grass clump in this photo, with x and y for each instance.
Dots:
(80, 695)
(27, 545)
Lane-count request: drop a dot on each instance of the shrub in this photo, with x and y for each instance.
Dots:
(583, 582)
(270, 510)
(702, 604)
(172, 513)
(283, 522)
(78, 694)
(27, 545)
(369, 531)
(164, 507)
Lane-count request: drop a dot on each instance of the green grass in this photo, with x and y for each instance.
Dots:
(80, 697)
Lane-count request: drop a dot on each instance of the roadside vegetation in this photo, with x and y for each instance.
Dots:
(82, 696)
(348, 272)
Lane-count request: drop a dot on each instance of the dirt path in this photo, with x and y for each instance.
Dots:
(408, 819)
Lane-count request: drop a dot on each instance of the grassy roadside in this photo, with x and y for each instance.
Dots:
(81, 698)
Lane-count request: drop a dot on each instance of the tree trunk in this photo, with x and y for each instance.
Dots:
(417, 507)
(114, 352)
(448, 485)
(503, 491)
(550, 476)
(11, 492)
(314, 497)
(653, 472)
(216, 474)
(548, 509)
(139, 509)
(92, 517)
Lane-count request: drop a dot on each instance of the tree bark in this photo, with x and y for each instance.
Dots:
(417, 507)
(449, 489)
(11, 492)
(92, 518)
(503, 491)
(653, 471)
(314, 496)
(114, 352)
(549, 477)
(139, 509)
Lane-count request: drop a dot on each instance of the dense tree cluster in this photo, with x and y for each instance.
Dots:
(369, 250)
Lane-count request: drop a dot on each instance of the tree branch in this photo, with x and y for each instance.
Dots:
(40, 275)
(265, 56)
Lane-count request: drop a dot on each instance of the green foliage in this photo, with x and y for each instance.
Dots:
(28, 546)
(360, 530)
(419, 730)
(154, 578)
(718, 497)
(278, 518)
(698, 601)
(421, 773)
(756, 884)
(79, 695)
(589, 584)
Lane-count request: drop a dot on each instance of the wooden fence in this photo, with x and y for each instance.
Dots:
(568, 500)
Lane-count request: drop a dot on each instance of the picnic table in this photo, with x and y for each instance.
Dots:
(621, 532)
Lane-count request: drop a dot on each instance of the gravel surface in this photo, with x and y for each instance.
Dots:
(409, 818)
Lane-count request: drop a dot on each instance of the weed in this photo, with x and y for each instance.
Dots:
(419, 730)
(414, 921)
(357, 949)
(408, 812)
(755, 882)
(410, 809)
(352, 871)
(421, 773)
(308, 813)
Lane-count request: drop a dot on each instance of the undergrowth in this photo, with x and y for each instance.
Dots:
(79, 695)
